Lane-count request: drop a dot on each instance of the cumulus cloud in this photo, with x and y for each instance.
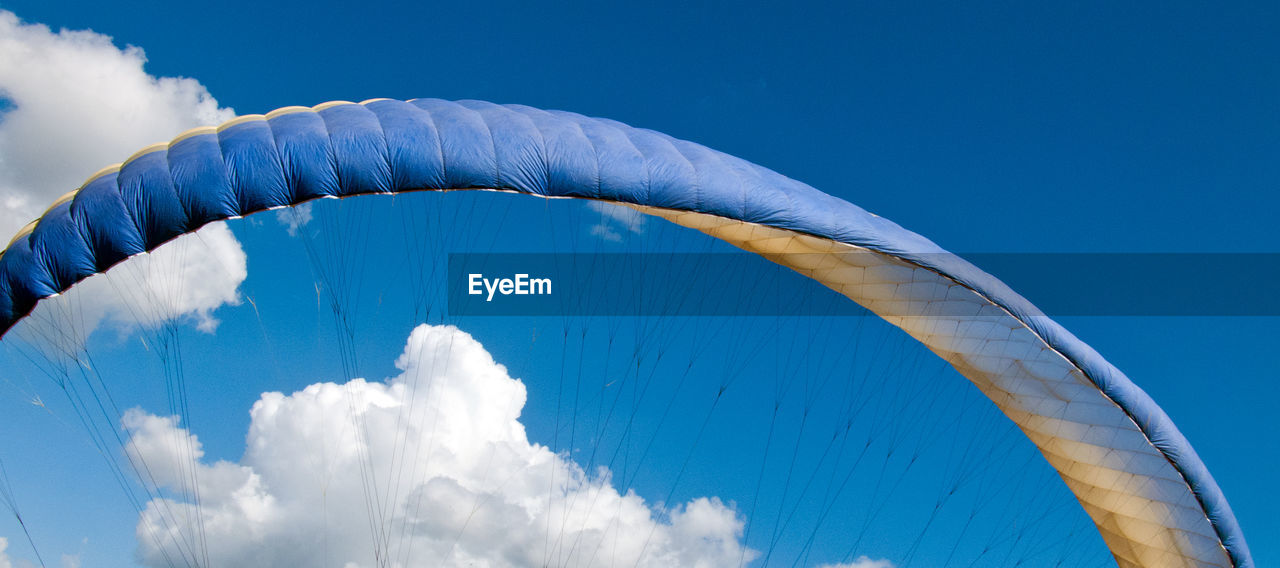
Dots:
(861, 562)
(187, 279)
(615, 220)
(73, 103)
(76, 103)
(457, 481)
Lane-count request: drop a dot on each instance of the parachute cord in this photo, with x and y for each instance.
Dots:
(755, 498)
(985, 496)
(628, 481)
(414, 260)
(822, 516)
(602, 427)
(68, 350)
(340, 290)
(884, 501)
(873, 434)
(6, 494)
(139, 466)
(441, 376)
(420, 281)
(680, 474)
(564, 519)
(915, 544)
(805, 490)
(638, 395)
(399, 454)
(995, 540)
(810, 398)
(188, 466)
(964, 529)
(88, 372)
(164, 309)
(480, 502)
(604, 384)
(555, 447)
(187, 461)
(877, 509)
(786, 488)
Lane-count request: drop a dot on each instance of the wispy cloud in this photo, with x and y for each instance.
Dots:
(7, 561)
(606, 232)
(615, 220)
(295, 218)
(861, 562)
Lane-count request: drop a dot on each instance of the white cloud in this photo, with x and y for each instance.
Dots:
(294, 218)
(79, 103)
(606, 232)
(9, 562)
(861, 562)
(185, 279)
(472, 489)
(614, 219)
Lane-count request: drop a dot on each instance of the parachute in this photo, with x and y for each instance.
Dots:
(1150, 496)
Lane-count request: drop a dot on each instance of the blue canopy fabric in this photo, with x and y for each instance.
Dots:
(1144, 486)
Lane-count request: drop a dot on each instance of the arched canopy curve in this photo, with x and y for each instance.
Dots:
(1148, 492)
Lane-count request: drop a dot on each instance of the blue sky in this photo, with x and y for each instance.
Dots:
(987, 128)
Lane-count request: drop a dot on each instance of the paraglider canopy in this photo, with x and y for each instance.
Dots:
(1137, 477)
